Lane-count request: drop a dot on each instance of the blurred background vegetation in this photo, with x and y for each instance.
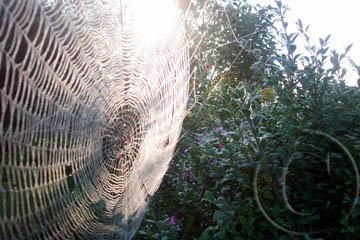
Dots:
(261, 112)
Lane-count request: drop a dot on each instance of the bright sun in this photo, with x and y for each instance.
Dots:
(154, 19)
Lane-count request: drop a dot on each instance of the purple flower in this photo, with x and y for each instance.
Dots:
(172, 221)
(221, 146)
(188, 175)
(184, 152)
(183, 176)
(220, 129)
(200, 141)
(192, 177)
(213, 162)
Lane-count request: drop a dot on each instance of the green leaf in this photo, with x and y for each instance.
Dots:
(208, 196)
(256, 120)
(292, 48)
(246, 113)
(257, 52)
(348, 48)
(327, 37)
(225, 110)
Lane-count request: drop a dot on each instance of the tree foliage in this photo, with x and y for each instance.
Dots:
(232, 36)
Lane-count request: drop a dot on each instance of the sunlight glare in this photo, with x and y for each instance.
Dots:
(154, 20)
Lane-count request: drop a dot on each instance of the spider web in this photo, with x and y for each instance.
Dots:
(89, 117)
(90, 114)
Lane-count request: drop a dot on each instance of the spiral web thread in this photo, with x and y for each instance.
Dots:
(89, 117)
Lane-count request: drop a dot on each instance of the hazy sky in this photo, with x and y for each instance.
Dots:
(338, 18)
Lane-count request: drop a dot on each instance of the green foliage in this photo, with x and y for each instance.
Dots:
(299, 121)
(229, 38)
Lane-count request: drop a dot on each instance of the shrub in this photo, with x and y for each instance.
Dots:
(301, 125)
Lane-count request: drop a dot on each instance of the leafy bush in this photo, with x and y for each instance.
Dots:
(273, 160)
